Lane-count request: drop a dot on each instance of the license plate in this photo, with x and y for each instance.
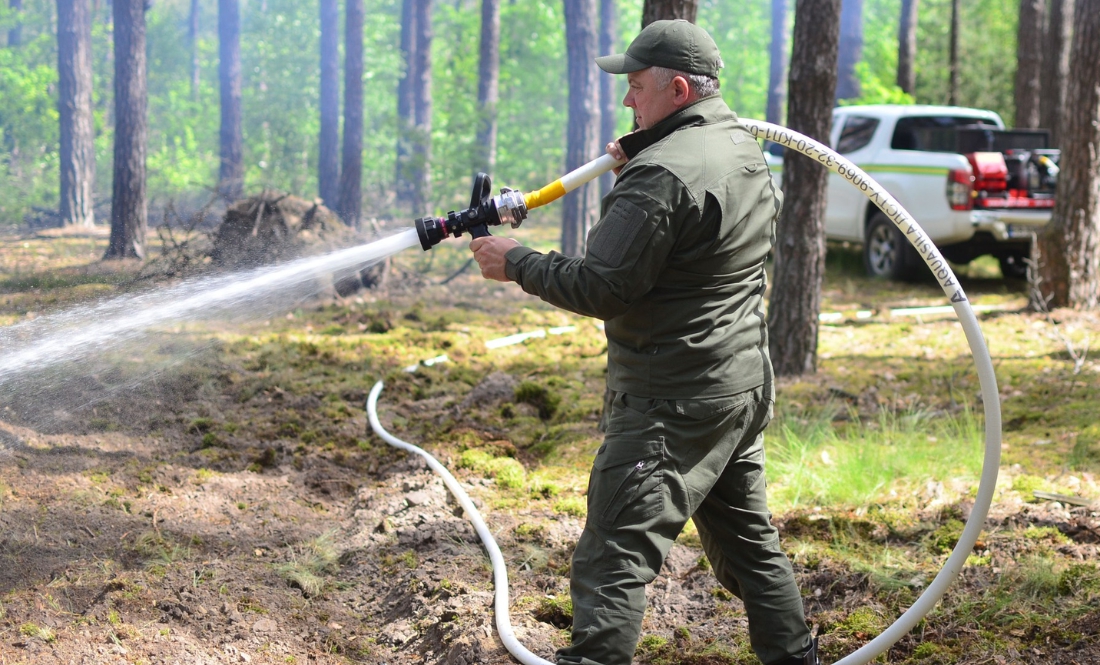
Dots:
(1019, 231)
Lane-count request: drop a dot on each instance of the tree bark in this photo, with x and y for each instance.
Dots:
(609, 102)
(488, 85)
(800, 246)
(328, 157)
(953, 56)
(777, 69)
(659, 10)
(907, 46)
(1052, 99)
(350, 196)
(1067, 250)
(231, 141)
(405, 117)
(128, 205)
(193, 41)
(1029, 62)
(74, 105)
(850, 49)
(15, 33)
(579, 209)
(422, 110)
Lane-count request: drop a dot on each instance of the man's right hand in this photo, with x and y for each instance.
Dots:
(616, 151)
(489, 253)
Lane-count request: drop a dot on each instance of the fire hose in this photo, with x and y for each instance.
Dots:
(511, 207)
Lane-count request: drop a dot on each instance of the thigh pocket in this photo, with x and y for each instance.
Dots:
(630, 479)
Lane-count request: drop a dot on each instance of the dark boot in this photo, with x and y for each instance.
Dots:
(809, 657)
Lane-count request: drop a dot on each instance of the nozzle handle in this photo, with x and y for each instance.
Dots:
(479, 231)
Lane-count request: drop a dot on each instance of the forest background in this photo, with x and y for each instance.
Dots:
(280, 89)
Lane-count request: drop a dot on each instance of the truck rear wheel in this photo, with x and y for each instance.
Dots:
(1014, 265)
(886, 252)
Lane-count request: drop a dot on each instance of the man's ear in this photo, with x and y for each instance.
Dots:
(682, 90)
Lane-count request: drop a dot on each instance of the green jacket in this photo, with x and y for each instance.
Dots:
(675, 266)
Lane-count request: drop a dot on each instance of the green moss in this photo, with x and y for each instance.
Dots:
(571, 505)
(200, 425)
(556, 611)
(1079, 579)
(538, 396)
(944, 538)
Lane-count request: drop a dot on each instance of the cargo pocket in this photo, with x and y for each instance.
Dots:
(631, 482)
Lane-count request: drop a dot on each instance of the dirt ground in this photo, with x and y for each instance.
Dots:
(116, 549)
(156, 533)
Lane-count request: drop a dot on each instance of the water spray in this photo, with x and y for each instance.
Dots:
(487, 211)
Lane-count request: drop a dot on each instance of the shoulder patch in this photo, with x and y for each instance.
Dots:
(738, 136)
(613, 236)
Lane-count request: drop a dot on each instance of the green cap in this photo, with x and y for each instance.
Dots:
(679, 45)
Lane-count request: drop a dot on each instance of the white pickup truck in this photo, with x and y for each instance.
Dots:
(973, 186)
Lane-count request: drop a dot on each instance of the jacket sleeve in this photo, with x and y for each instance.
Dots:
(626, 251)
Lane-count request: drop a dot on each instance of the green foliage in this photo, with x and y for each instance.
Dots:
(280, 86)
(987, 54)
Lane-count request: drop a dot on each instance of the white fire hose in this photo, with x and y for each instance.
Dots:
(986, 378)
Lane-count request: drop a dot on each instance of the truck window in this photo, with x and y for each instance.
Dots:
(856, 134)
(932, 133)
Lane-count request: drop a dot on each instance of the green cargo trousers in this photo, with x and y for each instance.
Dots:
(663, 461)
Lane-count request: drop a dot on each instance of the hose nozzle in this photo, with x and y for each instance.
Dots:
(485, 210)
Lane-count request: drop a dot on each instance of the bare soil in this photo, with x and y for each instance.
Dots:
(154, 532)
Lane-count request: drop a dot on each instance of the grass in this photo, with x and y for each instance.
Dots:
(813, 462)
(311, 565)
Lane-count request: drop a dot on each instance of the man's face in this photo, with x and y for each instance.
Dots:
(650, 104)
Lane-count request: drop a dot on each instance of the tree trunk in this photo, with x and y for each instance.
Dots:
(1067, 251)
(907, 46)
(15, 33)
(953, 56)
(328, 157)
(1029, 62)
(609, 102)
(74, 105)
(231, 171)
(850, 49)
(193, 40)
(488, 85)
(1052, 99)
(777, 70)
(422, 110)
(405, 118)
(128, 205)
(800, 234)
(579, 209)
(350, 196)
(659, 10)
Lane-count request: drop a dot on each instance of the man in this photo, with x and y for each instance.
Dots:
(675, 267)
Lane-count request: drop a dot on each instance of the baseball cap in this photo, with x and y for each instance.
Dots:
(677, 44)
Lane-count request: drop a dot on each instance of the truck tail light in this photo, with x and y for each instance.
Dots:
(960, 189)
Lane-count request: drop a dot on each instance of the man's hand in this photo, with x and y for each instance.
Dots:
(616, 151)
(489, 253)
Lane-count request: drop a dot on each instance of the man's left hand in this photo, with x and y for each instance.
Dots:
(489, 253)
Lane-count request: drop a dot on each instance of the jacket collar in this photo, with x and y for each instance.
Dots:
(702, 112)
